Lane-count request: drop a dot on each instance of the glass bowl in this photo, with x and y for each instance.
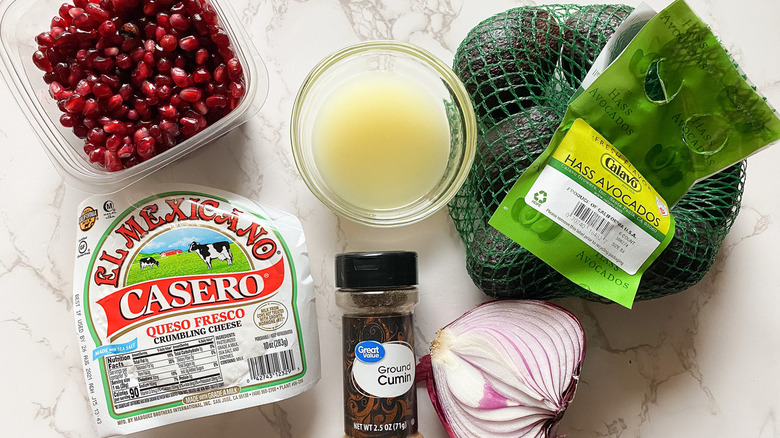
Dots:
(366, 71)
(22, 20)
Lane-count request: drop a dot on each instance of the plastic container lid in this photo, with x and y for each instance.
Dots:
(376, 269)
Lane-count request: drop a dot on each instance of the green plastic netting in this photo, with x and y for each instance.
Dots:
(520, 68)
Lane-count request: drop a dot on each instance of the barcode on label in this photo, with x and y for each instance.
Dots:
(592, 219)
(262, 367)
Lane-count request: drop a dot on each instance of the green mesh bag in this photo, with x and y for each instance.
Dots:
(520, 68)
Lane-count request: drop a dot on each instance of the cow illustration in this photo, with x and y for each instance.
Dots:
(148, 262)
(210, 251)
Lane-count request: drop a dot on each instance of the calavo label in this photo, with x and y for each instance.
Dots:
(590, 214)
(189, 298)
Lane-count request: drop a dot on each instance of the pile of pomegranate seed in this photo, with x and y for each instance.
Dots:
(135, 77)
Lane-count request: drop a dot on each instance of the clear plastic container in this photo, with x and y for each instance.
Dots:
(22, 20)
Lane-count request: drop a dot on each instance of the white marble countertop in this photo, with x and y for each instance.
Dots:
(700, 363)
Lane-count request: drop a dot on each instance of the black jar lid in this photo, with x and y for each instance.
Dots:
(356, 270)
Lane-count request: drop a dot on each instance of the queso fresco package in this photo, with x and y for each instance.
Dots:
(190, 302)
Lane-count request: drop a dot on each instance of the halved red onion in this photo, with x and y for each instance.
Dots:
(505, 369)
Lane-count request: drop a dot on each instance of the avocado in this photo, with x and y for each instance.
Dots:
(585, 32)
(506, 60)
(503, 269)
(506, 150)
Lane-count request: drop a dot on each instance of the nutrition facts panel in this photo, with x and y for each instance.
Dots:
(159, 373)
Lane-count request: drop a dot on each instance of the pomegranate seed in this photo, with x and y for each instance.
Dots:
(220, 73)
(155, 132)
(163, 20)
(68, 120)
(110, 80)
(201, 56)
(200, 107)
(137, 54)
(95, 11)
(148, 88)
(188, 122)
(190, 94)
(150, 46)
(74, 104)
(115, 127)
(150, 7)
(84, 21)
(209, 14)
(139, 134)
(111, 161)
(89, 123)
(201, 75)
(237, 90)
(41, 61)
(81, 55)
(129, 44)
(164, 65)
(103, 64)
(44, 39)
(216, 101)
(57, 91)
(146, 148)
(164, 92)
(201, 28)
(168, 112)
(80, 131)
(170, 127)
(202, 122)
(149, 58)
(91, 108)
(126, 151)
(221, 39)
(161, 80)
(84, 87)
(168, 43)
(189, 43)
(179, 22)
(98, 155)
(113, 143)
(142, 107)
(75, 12)
(97, 136)
(123, 61)
(126, 91)
(89, 147)
(121, 112)
(57, 22)
(114, 102)
(141, 72)
(234, 69)
(180, 77)
(177, 101)
(64, 10)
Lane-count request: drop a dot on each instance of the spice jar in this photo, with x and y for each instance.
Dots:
(377, 294)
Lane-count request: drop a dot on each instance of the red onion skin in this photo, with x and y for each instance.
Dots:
(424, 372)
